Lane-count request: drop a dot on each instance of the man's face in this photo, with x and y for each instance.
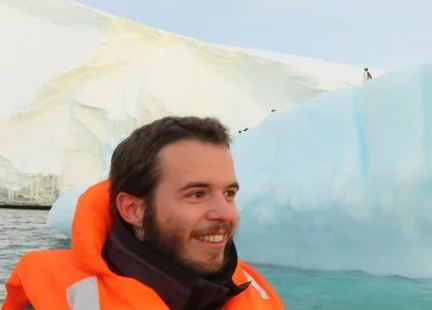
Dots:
(192, 215)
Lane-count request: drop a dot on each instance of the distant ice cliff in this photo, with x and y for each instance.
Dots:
(73, 78)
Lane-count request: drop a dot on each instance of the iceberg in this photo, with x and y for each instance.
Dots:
(341, 182)
(73, 78)
(61, 214)
(344, 181)
(62, 211)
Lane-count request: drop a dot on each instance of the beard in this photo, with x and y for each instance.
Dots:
(170, 242)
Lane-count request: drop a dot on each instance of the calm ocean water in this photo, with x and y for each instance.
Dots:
(22, 231)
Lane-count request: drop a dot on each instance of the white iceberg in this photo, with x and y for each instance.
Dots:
(74, 78)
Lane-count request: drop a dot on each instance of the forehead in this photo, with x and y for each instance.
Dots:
(194, 161)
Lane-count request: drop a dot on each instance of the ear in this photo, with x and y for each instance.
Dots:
(131, 209)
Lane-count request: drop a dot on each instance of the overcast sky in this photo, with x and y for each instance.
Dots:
(385, 34)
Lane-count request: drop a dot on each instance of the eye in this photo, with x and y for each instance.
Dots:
(197, 194)
(230, 194)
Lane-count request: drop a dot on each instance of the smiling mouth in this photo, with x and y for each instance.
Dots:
(215, 238)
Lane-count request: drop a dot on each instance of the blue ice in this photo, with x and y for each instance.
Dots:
(340, 182)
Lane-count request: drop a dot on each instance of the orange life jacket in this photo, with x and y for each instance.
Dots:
(79, 278)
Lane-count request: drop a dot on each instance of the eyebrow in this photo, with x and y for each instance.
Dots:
(189, 185)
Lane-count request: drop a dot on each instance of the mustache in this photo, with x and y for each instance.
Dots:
(213, 229)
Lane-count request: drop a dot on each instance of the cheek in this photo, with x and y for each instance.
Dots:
(236, 218)
(235, 221)
(175, 224)
(178, 218)
(183, 225)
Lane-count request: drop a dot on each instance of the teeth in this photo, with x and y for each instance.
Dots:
(212, 238)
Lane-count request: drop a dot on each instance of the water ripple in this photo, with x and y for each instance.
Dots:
(22, 231)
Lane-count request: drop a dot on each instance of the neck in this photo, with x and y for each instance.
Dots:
(180, 287)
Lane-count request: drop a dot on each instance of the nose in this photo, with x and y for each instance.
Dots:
(221, 209)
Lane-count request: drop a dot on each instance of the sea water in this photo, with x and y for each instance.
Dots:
(24, 230)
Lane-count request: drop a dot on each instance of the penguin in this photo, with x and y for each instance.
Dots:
(366, 75)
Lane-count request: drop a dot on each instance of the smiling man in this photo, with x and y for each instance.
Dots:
(157, 235)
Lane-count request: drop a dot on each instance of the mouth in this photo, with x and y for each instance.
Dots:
(217, 238)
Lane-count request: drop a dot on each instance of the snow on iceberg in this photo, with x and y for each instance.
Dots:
(341, 182)
(73, 78)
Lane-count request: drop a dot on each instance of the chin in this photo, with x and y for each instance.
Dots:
(208, 267)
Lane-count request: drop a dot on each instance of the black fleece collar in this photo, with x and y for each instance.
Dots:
(180, 288)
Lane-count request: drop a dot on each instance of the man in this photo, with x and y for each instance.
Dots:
(157, 235)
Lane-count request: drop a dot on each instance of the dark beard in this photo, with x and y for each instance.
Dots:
(170, 245)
